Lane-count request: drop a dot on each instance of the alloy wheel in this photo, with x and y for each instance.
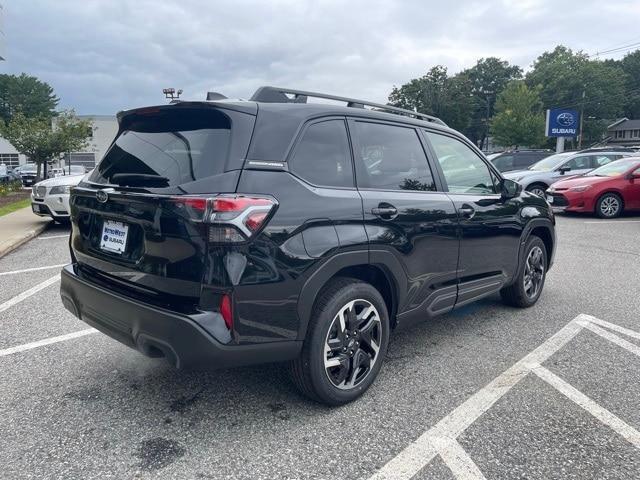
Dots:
(537, 191)
(533, 272)
(352, 344)
(609, 206)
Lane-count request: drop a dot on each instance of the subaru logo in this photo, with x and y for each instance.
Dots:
(565, 119)
(102, 196)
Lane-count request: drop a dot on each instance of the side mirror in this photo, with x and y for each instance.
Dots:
(564, 170)
(509, 188)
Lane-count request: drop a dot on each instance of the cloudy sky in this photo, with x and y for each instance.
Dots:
(105, 55)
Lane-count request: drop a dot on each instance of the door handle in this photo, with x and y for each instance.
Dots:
(387, 212)
(467, 211)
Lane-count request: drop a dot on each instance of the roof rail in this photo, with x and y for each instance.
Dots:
(281, 95)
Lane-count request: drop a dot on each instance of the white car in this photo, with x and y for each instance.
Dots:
(51, 197)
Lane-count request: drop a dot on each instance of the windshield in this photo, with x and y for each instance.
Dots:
(167, 149)
(549, 163)
(614, 169)
(28, 169)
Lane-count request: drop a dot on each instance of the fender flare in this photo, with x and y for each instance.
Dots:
(381, 259)
(526, 233)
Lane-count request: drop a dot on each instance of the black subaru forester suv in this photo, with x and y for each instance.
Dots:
(227, 233)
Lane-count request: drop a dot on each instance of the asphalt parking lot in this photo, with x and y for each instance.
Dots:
(485, 392)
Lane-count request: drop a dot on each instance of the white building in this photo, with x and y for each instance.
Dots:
(105, 128)
(9, 155)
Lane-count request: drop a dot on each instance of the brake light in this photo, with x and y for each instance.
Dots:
(226, 311)
(231, 218)
(234, 219)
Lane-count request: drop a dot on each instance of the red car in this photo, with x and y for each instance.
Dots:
(607, 190)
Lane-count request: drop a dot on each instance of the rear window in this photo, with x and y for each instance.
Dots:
(166, 148)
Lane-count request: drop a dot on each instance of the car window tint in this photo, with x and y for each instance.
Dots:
(579, 163)
(322, 156)
(504, 163)
(391, 158)
(464, 171)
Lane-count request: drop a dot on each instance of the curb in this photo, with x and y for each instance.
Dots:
(14, 242)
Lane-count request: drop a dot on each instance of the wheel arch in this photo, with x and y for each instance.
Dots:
(604, 192)
(383, 275)
(545, 230)
(535, 183)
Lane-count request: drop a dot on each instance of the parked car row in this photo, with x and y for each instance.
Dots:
(28, 172)
(541, 175)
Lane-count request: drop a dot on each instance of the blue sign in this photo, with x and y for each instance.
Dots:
(562, 122)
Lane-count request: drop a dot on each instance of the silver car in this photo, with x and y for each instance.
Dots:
(543, 174)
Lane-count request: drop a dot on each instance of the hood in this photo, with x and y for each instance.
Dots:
(515, 174)
(579, 180)
(70, 180)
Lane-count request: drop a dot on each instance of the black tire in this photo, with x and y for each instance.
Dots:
(309, 371)
(517, 294)
(609, 205)
(535, 188)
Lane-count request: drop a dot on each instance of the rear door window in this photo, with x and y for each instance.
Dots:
(166, 149)
(390, 157)
(322, 157)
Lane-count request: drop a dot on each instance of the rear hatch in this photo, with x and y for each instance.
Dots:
(140, 219)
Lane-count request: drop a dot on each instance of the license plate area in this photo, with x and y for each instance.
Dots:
(550, 198)
(114, 236)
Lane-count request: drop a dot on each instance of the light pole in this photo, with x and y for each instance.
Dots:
(581, 121)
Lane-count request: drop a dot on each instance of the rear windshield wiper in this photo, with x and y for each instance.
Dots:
(139, 180)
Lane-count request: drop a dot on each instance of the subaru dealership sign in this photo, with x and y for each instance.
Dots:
(562, 122)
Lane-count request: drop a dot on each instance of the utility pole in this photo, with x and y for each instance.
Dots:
(581, 121)
(486, 133)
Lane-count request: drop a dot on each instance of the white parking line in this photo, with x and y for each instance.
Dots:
(458, 461)
(613, 338)
(622, 428)
(611, 326)
(33, 269)
(52, 236)
(602, 222)
(420, 453)
(26, 294)
(441, 438)
(46, 341)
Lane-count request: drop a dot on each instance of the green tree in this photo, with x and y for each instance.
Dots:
(41, 141)
(26, 94)
(448, 98)
(519, 119)
(488, 78)
(630, 64)
(572, 80)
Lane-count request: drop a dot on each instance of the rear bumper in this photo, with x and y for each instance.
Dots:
(160, 333)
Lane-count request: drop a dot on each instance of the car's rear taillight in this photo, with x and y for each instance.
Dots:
(231, 218)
